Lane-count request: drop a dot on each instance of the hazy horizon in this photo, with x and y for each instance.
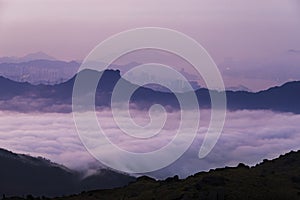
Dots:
(254, 43)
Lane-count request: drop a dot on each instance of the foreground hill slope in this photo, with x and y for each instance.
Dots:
(22, 175)
(277, 179)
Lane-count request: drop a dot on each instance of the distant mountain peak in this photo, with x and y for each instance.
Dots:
(29, 57)
(38, 56)
(238, 88)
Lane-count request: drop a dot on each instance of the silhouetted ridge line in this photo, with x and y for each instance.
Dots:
(58, 97)
(22, 174)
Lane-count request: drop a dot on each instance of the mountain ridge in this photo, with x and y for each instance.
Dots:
(39, 71)
(282, 98)
(23, 174)
(269, 180)
(25, 58)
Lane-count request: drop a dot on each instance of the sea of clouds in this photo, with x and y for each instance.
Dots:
(248, 137)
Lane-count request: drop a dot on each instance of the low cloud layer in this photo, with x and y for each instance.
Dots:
(248, 137)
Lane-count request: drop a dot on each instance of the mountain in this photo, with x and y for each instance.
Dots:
(284, 98)
(58, 97)
(22, 175)
(29, 57)
(39, 68)
(277, 179)
(238, 88)
(39, 71)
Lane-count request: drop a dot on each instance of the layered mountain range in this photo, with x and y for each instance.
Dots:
(26, 97)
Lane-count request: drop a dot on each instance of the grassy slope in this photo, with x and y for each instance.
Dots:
(277, 179)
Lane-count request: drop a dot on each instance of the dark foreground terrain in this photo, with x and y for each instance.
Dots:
(21, 175)
(277, 179)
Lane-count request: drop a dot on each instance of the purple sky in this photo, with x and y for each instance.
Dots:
(248, 34)
(69, 29)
